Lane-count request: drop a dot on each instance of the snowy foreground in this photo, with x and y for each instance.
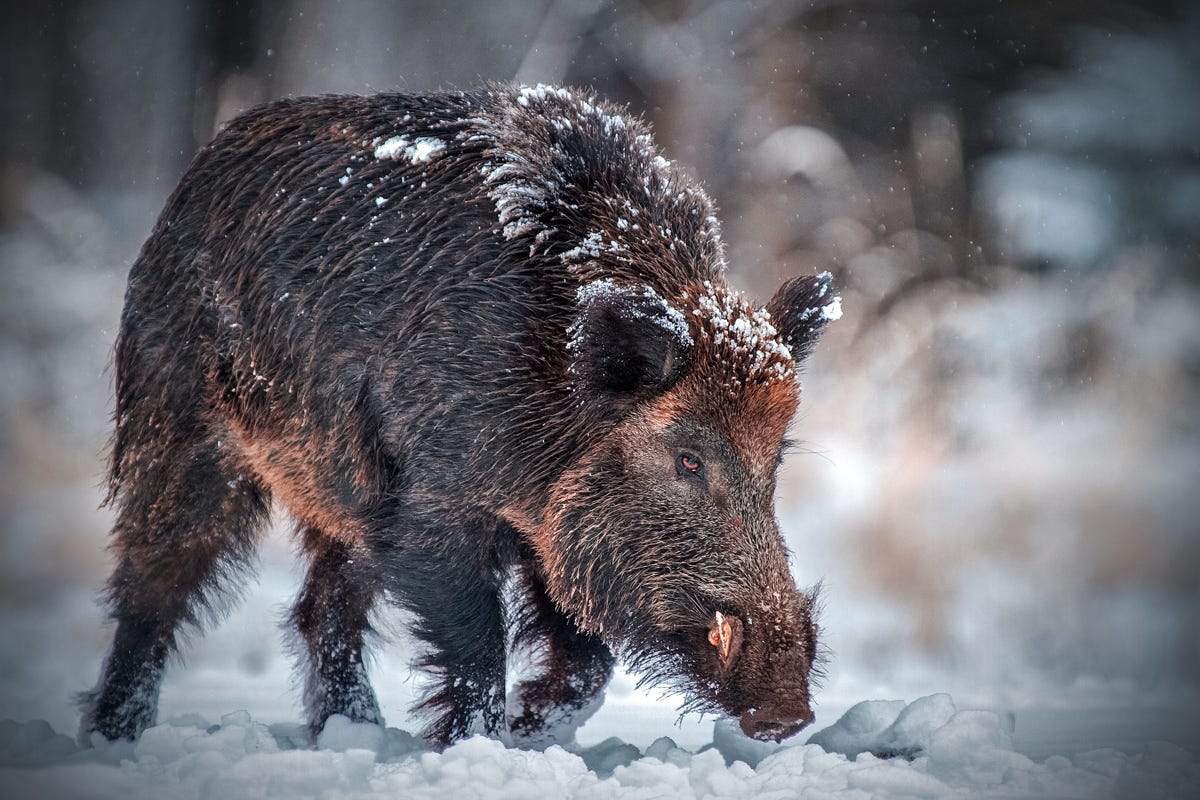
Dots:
(884, 749)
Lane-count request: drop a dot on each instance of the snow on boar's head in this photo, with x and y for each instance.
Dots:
(662, 539)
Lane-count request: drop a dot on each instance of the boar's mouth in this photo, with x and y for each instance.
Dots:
(778, 719)
(724, 661)
(721, 669)
(767, 726)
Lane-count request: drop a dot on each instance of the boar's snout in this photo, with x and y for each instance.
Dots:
(770, 724)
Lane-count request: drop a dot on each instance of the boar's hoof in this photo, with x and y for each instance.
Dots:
(767, 725)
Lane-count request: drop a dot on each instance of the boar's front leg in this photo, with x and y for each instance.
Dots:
(573, 668)
(454, 594)
(331, 616)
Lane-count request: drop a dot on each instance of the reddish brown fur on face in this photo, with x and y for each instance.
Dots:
(463, 339)
(746, 384)
(751, 408)
(770, 407)
(692, 554)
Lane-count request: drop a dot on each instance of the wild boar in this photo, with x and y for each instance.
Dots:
(468, 341)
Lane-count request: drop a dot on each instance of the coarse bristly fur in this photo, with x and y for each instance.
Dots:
(462, 338)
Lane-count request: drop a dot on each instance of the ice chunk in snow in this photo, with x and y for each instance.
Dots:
(860, 729)
(910, 733)
(963, 748)
(341, 734)
(888, 728)
(235, 737)
(665, 750)
(32, 743)
(605, 757)
(975, 749)
(734, 745)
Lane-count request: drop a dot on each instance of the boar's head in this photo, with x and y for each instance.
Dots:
(662, 538)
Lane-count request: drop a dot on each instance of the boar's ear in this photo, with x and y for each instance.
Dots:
(801, 309)
(627, 341)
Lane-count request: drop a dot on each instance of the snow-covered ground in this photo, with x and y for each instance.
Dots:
(886, 749)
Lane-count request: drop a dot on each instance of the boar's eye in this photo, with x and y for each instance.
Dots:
(690, 466)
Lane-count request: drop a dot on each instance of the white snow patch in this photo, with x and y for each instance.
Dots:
(524, 184)
(543, 92)
(392, 147)
(829, 312)
(966, 754)
(746, 335)
(518, 199)
(833, 310)
(424, 149)
(590, 247)
(666, 316)
(419, 151)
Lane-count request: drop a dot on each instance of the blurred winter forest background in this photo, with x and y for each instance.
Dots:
(1000, 482)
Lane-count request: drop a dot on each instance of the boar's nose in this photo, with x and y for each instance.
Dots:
(770, 724)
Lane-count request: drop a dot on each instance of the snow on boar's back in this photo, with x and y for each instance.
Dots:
(480, 347)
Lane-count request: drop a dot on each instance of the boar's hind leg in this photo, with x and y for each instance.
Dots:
(331, 616)
(186, 523)
(573, 669)
(456, 602)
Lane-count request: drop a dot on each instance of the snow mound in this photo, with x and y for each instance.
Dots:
(944, 752)
(887, 728)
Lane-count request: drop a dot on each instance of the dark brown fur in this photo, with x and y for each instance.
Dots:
(459, 337)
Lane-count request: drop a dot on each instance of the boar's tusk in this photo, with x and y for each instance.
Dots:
(725, 637)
